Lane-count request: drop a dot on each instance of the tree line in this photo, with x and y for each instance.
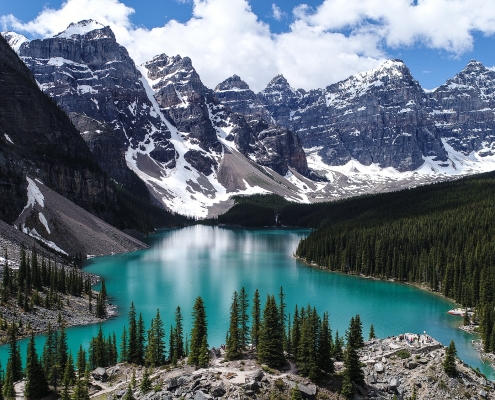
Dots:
(275, 336)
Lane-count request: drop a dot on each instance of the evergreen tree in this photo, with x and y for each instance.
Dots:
(172, 341)
(204, 357)
(36, 385)
(124, 356)
(178, 334)
(128, 393)
(8, 385)
(62, 349)
(282, 316)
(155, 351)
(244, 319)
(256, 319)
(347, 390)
(141, 341)
(133, 336)
(145, 386)
(449, 362)
(81, 390)
(233, 349)
(199, 333)
(295, 393)
(14, 363)
(81, 361)
(351, 359)
(270, 346)
(325, 361)
(372, 332)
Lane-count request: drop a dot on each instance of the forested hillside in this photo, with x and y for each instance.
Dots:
(441, 235)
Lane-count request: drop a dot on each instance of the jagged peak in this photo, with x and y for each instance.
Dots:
(14, 39)
(474, 65)
(84, 27)
(233, 83)
(279, 80)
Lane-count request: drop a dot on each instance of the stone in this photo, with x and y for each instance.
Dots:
(99, 374)
(200, 395)
(218, 390)
(257, 375)
(483, 393)
(379, 367)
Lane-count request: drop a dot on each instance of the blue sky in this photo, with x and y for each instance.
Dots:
(313, 45)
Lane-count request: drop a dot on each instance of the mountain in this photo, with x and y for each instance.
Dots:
(379, 130)
(157, 128)
(161, 126)
(42, 148)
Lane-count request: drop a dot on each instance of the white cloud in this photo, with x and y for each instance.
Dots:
(224, 37)
(277, 12)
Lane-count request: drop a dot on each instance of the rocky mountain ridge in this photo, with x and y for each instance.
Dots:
(194, 147)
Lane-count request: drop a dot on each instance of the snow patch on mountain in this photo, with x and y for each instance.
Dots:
(80, 28)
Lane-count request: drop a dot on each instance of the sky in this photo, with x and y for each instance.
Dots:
(312, 43)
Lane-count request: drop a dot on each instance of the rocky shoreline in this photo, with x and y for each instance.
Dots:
(394, 368)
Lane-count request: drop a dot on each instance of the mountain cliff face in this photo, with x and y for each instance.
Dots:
(39, 139)
(87, 72)
(381, 117)
(194, 147)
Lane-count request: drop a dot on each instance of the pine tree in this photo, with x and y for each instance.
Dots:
(81, 361)
(233, 350)
(270, 346)
(256, 318)
(449, 362)
(155, 351)
(282, 316)
(14, 363)
(62, 349)
(199, 333)
(178, 334)
(325, 361)
(372, 332)
(204, 357)
(36, 385)
(128, 393)
(172, 341)
(145, 386)
(347, 390)
(133, 336)
(295, 393)
(8, 385)
(141, 341)
(244, 319)
(124, 356)
(351, 359)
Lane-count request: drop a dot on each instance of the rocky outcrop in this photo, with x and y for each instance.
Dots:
(87, 72)
(462, 110)
(39, 139)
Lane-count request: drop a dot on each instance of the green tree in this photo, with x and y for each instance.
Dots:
(124, 354)
(155, 351)
(244, 319)
(233, 349)
(14, 363)
(81, 361)
(372, 332)
(256, 319)
(133, 336)
(351, 358)
(36, 385)
(179, 334)
(145, 386)
(295, 393)
(449, 362)
(204, 357)
(270, 346)
(199, 333)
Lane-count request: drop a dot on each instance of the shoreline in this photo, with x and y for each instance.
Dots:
(484, 357)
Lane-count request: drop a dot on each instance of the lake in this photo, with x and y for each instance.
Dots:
(212, 262)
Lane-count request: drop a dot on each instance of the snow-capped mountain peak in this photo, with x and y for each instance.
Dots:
(15, 40)
(81, 28)
(233, 83)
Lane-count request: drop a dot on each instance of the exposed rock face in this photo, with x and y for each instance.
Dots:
(87, 72)
(463, 107)
(39, 139)
(199, 116)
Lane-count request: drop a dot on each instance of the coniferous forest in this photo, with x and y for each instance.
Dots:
(273, 335)
(439, 236)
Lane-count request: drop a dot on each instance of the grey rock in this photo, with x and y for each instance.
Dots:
(100, 374)
(379, 367)
(200, 395)
(218, 390)
(258, 375)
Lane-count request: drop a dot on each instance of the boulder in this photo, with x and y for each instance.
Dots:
(379, 367)
(218, 390)
(99, 374)
(256, 376)
(202, 396)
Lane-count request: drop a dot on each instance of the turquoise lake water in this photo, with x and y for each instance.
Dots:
(212, 262)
